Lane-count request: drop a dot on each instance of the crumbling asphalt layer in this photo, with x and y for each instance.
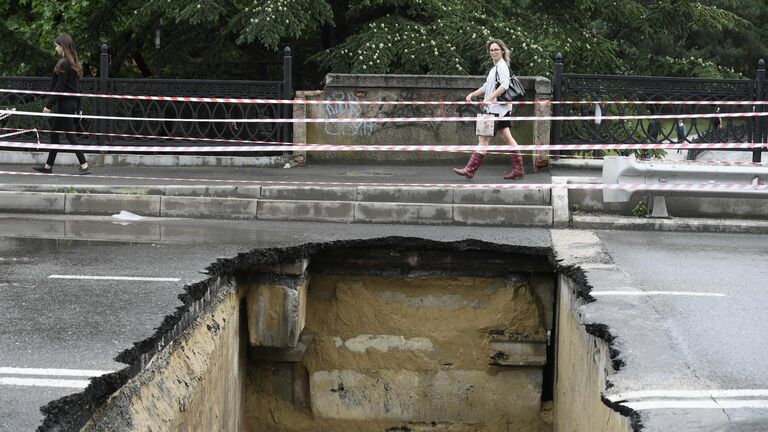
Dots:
(601, 331)
(72, 412)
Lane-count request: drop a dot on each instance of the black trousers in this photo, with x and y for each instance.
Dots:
(67, 124)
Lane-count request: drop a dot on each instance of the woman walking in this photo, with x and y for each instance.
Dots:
(66, 79)
(496, 83)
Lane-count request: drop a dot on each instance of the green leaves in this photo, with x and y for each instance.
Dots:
(271, 22)
(229, 38)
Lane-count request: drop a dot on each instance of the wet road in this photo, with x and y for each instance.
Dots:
(716, 323)
(57, 331)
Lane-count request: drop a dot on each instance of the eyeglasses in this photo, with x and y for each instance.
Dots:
(494, 50)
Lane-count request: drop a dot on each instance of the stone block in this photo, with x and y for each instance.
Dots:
(316, 211)
(38, 202)
(284, 355)
(518, 353)
(203, 207)
(213, 191)
(145, 205)
(503, 215)
(403, 213)
(439, 396)
(285, 381)
(276, 314)
(310, 193)
(502, 196)
(405, 194)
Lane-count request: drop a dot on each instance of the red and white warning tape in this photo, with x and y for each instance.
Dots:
(393, 148)
(18, 132)
(392, 119)
(519, 186)
(287, 146)
(358, 102)
(158, 137)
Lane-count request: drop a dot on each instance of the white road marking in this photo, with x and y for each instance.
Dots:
(52, 372)
(714, 393)
(697, 404)
(654, 293)
(39, 382)
(126, 278)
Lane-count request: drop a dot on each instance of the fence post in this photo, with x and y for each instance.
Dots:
(287, 92)
(103, 89)
(557, 78)
(759, 134)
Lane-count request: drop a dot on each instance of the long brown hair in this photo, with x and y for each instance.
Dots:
(502, 45)
(69, 55)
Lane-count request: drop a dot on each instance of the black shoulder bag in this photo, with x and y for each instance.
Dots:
(515, 90)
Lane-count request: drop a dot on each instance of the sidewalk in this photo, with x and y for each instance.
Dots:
(308, 174)
(411, 194)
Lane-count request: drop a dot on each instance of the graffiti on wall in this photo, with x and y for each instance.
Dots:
(438, 130)
(361, 128)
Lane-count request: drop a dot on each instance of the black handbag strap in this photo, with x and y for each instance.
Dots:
(496, 70)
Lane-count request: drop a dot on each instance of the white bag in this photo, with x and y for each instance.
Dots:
(485, 124)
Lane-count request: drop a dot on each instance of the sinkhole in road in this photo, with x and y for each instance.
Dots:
(392, 334)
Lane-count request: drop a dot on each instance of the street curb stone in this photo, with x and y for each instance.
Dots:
(503, 215)
(309, 193)
(405, 194)
(305, 210)
(415, 213)
(501, 196)
(207, 207)
(44, 202)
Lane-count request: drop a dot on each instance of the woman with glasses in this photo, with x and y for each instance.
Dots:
(66, 79)
(496, 83)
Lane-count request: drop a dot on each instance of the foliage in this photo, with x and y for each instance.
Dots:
(228, 39)
(640, 210)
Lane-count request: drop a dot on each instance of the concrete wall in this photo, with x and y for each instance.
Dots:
(419, 353)
(582, 363)
(342, 87)
(194, 384)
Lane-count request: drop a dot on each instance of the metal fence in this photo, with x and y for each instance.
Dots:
(157, 132)
(583, 87)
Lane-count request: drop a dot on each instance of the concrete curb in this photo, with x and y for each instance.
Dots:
(337, 204)
(604, 222)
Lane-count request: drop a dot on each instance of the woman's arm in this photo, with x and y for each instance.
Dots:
(503, 78)
(477, 92)
(57, 84)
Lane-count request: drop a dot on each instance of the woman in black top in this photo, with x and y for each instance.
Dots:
(66, 79)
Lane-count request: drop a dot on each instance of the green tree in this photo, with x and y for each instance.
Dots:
(243, 39)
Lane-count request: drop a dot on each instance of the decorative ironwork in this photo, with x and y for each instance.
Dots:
(25, 102)
(648, 89)
(237, 129)
(193, 110)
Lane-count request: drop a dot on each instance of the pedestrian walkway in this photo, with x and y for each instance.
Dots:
(308, 174)
(321, 193)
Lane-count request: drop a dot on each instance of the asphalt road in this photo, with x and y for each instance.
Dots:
(54, 329)
(716, 323)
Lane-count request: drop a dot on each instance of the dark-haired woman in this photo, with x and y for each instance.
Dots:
(66, 79)
(496, 83)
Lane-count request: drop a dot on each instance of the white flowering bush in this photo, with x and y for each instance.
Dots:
(228, 38)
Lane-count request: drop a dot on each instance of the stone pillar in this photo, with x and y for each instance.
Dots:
(277, 305)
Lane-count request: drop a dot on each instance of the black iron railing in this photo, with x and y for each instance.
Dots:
(161, 132)
(581, 87)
